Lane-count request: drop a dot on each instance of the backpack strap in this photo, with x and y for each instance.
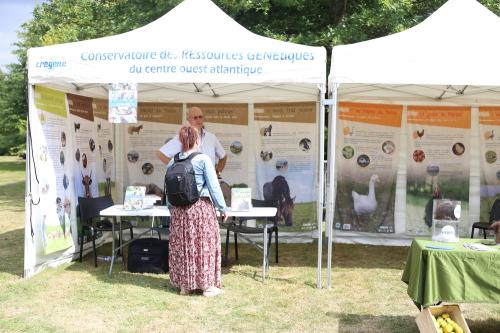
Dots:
(190, 157)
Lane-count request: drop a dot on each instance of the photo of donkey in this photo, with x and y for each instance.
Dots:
(278, 190)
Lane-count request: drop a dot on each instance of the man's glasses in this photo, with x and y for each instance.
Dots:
(197, 117)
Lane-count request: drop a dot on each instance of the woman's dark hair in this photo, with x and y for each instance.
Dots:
(188, 136)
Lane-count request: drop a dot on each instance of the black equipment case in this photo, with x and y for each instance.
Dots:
(148, 255)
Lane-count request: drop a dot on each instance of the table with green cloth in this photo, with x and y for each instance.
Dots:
(459, 275)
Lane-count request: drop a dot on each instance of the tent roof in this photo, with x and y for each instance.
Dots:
(193, 44)
(451, 54)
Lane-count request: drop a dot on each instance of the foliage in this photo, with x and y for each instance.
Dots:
(321, 23)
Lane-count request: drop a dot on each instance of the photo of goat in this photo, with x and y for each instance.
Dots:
(266, 131)
(86, 182)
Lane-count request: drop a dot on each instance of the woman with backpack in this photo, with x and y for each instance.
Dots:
(194, 242)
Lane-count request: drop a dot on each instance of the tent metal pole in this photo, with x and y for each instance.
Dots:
(321, 185)
(332, 132)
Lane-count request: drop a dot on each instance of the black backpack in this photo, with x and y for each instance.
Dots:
(180, 183)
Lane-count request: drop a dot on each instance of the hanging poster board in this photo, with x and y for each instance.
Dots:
(368, 137)
(123, 103)
(489, 140)
(158, 123)
(437, 163)
(54, 217)
(105, 156)
(286, 160)
(229, 123)
(84, 145)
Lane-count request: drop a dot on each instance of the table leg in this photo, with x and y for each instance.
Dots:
(112, 247)
(264, 261)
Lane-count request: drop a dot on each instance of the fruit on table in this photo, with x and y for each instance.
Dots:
(445, 324)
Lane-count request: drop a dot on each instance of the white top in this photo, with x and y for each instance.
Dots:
(117, 210)
(209, 145)
(169, 49)
(457, 45)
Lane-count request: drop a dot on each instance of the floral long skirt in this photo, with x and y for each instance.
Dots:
(194, 246)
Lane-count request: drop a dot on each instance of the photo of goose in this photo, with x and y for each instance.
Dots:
(365, 204)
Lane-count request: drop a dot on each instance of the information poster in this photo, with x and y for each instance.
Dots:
(84, 145)
(123, 103)
(105, 161)
(437, 163)
(489, 138)
(229, 123)
(286, 161)
(53, 215)
(368, 137)
(158, 123)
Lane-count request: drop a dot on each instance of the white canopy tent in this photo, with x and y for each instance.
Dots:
(195, 53)
(451, 58)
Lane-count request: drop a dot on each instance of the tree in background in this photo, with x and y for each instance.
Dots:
(319, 23)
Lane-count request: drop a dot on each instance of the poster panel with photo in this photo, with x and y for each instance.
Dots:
(105, 161)
(438, 158)
(123, 103)
(53, 218)
(368, 137)
(158, 123)
(85, 150)
(489, 139)
(286, 161)
(229, 123)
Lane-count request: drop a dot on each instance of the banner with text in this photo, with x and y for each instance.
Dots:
(368, 136)
(437, 163)
(286, 161)
(489, 138)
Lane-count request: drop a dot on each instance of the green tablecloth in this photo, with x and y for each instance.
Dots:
(459, 275)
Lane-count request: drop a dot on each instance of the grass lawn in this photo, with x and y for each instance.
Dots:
(368, 295)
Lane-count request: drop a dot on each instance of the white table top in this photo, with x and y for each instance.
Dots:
(117, 210)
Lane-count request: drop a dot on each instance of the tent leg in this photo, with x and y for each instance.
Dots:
(321, 180)
(332, 128)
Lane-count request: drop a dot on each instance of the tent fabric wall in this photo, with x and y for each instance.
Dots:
(218, 62)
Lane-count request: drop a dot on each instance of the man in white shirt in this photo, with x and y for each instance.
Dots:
(209, 144)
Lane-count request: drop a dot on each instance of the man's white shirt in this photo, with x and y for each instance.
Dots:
(209, 145)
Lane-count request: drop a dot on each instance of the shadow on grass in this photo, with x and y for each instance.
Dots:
(12, 252)
(349, 322)
(305, 255)
(12, 196)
